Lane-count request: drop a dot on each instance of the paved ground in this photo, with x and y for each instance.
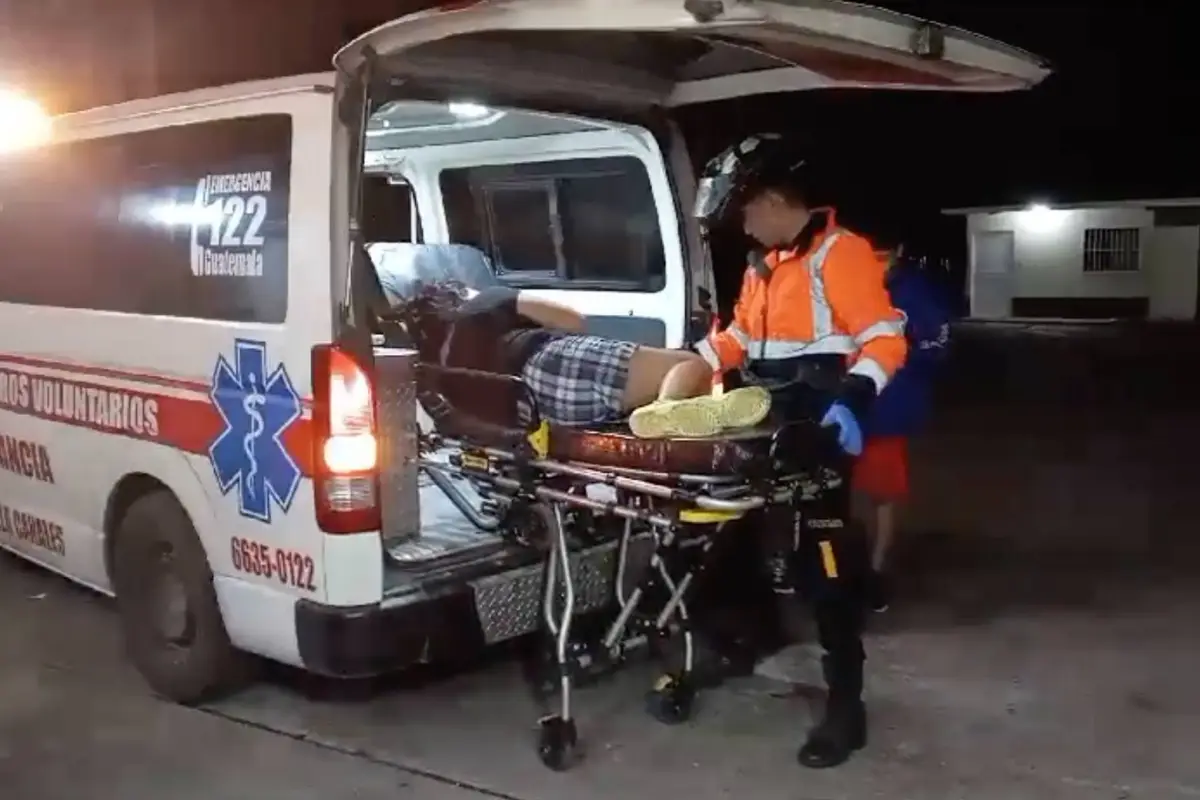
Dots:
(1045, 646)
(77, 724)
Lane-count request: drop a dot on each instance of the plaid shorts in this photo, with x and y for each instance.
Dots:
(579, 380)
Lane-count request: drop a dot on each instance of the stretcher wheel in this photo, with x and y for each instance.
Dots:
(558, 743)
(672, 699)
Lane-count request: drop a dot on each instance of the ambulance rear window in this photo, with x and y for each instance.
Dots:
(573, 223)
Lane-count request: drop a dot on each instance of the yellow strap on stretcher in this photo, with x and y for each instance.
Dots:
(707, 516)
(477, 461)
(539, 439)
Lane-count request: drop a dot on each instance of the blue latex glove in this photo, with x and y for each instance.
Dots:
(850, 436)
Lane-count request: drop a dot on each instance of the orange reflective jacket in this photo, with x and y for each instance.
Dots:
(830, 299)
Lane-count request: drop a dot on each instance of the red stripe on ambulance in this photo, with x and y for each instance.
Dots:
(156, 378)
(190, 424)
(162, 379)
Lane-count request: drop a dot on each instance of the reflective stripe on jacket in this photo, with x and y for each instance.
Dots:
(831, 299)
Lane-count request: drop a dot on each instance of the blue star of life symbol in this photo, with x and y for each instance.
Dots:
(256, 408)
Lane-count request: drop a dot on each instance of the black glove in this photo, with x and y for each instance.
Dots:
(857, 393)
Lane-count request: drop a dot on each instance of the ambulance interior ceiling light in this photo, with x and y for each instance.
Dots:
(405, 116)
(25, 123)
(1042, 218)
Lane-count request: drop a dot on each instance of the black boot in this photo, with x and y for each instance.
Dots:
(843, 726)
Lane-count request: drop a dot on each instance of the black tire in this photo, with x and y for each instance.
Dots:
(156, 546)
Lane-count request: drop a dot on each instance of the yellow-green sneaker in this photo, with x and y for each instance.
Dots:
(741, 408)
(691, 418)
(701, 416)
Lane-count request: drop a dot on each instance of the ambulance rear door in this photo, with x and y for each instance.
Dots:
(633, 61)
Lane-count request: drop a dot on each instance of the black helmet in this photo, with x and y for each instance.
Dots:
(761, 161)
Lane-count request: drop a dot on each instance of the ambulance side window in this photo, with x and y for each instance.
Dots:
(182, 221)
(390, 211)
(574, 223)
(54, 216)
(524, 232)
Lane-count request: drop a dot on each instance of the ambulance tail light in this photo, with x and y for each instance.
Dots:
(345, 447)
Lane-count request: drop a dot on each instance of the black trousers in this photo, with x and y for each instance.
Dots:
(829, 556)
(829, 565)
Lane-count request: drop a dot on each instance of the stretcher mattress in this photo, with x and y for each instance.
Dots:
(728, 454)
(741, 452)
(751, 452)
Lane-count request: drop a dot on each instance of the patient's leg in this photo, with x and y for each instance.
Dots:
(657, 374)
(683, 380)
(689, 378)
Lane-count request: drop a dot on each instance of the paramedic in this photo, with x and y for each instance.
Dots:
(812, 323)
(576, 379)
(881, 472)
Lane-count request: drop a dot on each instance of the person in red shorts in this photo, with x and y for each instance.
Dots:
(881, 472)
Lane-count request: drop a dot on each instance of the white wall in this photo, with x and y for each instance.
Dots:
(1049, 257)
(1171, 278)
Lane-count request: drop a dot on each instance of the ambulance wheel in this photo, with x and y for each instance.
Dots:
(169, 613)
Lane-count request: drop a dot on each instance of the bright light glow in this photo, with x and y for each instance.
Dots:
(346, 455)
(351, 404)
(466, 110)
(1042, 218)
(170, 214)
(351, 446)
(23, 123)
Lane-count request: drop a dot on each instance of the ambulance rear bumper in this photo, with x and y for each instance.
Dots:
(364, 641)
(446, 615)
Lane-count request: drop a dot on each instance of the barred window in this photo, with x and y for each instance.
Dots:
(1112, 249)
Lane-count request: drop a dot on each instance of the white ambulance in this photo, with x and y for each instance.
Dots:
(188, 385)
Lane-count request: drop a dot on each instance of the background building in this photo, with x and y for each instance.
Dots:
(1131, 259)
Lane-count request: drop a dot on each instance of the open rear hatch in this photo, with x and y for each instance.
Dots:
(586, 56)
(626, 59)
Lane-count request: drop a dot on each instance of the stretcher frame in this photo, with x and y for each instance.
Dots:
(682, 513)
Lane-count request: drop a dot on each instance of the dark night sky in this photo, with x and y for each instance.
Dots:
(1117, 120)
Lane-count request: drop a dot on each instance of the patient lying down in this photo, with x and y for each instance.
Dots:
(576, 379)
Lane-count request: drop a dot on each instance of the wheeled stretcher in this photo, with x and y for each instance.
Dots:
(559, 489)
